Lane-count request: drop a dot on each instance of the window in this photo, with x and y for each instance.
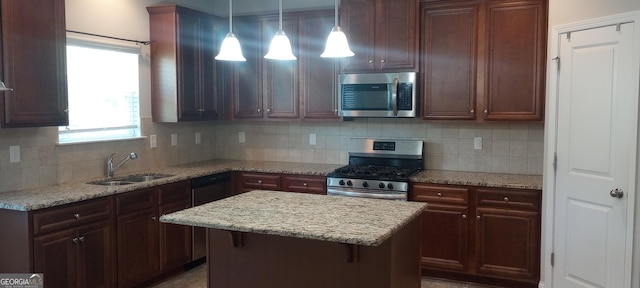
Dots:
(103, 85)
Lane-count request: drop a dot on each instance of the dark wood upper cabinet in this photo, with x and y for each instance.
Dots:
(483, 60)
(269, 89)
(33, 63)
(183, 73)
(383, 34)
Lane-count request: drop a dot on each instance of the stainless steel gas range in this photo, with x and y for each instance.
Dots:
(378, 168)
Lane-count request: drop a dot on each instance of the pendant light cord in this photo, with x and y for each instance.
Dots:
(231, 17)
(336, 13)
(280, 27)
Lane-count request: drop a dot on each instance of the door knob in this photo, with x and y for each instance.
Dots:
(617, 193)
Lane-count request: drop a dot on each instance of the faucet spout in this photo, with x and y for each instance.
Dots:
(112, 168)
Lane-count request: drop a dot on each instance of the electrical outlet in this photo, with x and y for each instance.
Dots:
(14, 154)
(153, 141)
(241, 137)
(198, 138)
(477, 143)
(174, 139)
(312, 139)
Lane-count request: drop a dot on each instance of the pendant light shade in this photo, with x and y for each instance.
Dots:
(337, 44)
(230, 48)
(280, 48)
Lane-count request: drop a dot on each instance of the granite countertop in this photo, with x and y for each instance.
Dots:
(347, 220)
(501, 180)
(45, 197)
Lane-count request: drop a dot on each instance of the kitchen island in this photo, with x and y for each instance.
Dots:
(279, 239)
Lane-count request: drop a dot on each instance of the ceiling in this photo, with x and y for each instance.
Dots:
(251, 7)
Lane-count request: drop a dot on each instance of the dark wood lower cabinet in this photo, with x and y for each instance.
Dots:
(137, 247)
(488, 235)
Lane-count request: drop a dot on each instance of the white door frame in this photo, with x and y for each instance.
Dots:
(550, 139)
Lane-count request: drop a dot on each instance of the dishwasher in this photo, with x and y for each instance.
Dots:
(206, 189)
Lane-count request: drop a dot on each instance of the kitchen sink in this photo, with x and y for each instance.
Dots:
(129, 179)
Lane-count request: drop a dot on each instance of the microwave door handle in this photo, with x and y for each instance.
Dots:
(394, 96)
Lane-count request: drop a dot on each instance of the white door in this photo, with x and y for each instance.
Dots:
(596, 142)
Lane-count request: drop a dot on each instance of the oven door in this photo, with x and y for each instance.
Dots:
(368, 193)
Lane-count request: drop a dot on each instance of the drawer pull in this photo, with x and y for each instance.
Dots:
(77, 216)
(260, 182)
(439, 194)
(75, 240)
(464, 216)
(478, 217)
(153, 218)
(305, 184)
(81, 238)
(506, 199)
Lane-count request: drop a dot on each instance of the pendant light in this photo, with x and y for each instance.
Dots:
(230, 49)
(280, 48)
(337, 45)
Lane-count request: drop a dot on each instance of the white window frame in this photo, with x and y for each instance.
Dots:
(102, 134)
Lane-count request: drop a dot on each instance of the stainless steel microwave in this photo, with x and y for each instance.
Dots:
(378, 95)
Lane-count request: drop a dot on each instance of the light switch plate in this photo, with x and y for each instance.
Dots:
(153, 141)
(14, 154)
(312, 139)
(477, 143)
(174, 139)
(241, 137)
(198, 138)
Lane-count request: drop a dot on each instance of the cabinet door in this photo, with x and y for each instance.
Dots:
(175, 240)
(281, 77)
(448, 48)
(247, 89)
(34, 63)
(318, 76)
(445, 237)
(396, 35)
(358, 20)
(96, 248)
(55, 255)
(508, 243)
(137, 247)
(515, 60)
(196, 70)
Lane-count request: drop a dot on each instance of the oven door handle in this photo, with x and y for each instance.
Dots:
(388, 196)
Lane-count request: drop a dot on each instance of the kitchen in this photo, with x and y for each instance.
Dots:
(449, 145)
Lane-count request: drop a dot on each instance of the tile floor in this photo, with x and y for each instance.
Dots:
(197, 278)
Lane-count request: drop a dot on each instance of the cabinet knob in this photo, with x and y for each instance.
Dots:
(75, 240)
(81, 238)
(439, 194)
(506, 199)
(268, 110)
(382, 61)
(153, 218)
(486, 111)
(259, 181)
(66, 110)
(464, 216)
(472, 111)
(305, 184)
(478, 217)
(370, 61)
(259, 110)
(77, 216)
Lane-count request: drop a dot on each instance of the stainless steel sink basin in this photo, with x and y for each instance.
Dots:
(129, 179)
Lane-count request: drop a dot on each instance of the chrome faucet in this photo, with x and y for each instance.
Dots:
(111, 169)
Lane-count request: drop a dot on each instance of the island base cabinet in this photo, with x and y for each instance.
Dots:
(257, 260)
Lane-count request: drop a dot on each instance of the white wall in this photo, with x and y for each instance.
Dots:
(564, 12)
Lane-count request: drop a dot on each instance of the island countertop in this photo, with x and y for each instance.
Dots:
(339, 219)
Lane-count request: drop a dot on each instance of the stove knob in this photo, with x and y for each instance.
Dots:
(381, 185)
(349, 183)
(390, 186)
(341, 182)
(365, 184)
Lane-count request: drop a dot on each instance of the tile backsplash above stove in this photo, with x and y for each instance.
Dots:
(506, 147)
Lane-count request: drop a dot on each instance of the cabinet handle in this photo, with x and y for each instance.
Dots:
(259, 110)
(439, 194)
(75, 240)
(464, 216)
(304, 184)
(66, 110)
(486, 111)
(478, 217)
(77, 216)
(81, 238)
(506, 199)
(268, 110)
(382, 61)
(153, 218)
(370, 61)
(472, 111)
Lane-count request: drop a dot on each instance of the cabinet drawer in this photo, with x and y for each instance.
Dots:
(509, 198)
(174, 192)
(306, 184)
(72, 215)
(440, 194)
(251, 181)
(136, 201)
